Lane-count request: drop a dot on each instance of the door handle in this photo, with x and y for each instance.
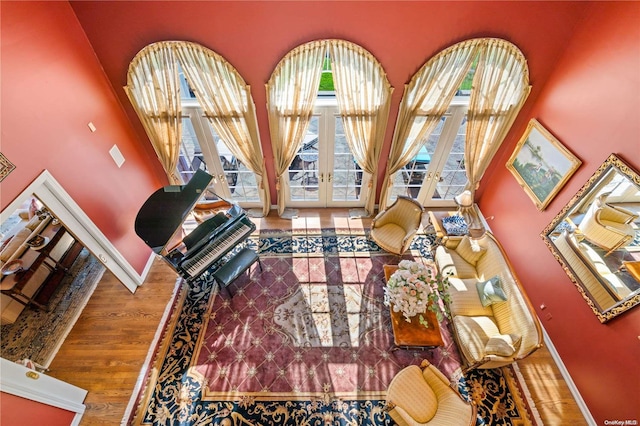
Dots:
(330, 177)
(429, 175)
(321, 177)
(32, 375)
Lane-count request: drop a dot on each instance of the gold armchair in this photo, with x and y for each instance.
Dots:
(425, 397)
(608, 226)
(393, 229)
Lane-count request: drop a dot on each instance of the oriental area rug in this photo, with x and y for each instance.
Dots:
(37, 334)
(306, 340)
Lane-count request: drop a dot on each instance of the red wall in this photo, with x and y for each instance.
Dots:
(254, 36)
(582, 56)
(590, 104)
(52, 87)
(17, 411)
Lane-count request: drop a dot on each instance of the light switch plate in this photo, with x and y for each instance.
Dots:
(116, 155)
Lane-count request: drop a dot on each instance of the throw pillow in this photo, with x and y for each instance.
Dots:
(470, 251)
(455, 225)
(503, 344)
(491, 291)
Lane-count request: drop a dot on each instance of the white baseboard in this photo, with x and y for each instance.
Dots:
(567, 378)
(147, 267)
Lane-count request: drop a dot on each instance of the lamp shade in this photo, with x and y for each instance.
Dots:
(464, 199)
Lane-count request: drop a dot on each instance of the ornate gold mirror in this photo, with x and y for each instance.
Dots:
(596, 239)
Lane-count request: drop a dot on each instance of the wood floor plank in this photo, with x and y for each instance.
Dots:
(106, 349)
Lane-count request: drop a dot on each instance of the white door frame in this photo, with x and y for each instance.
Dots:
(60, 203)
(21, 381)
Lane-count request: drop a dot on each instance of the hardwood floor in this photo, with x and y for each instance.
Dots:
(106, 350)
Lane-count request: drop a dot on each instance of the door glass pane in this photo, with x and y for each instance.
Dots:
(453, 177)
(303, 170)
(408, 181)
(240, 179)
(191, 158)
(347, 175)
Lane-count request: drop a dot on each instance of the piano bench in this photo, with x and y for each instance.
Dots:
(235, 267)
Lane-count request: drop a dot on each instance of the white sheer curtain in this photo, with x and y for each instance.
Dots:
(363, 93)
(291, 94)
(500, 88)
(153, 87)
(426, 98)
(227, 102)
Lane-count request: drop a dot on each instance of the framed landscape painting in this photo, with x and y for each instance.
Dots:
(6, 166)
(541, 165)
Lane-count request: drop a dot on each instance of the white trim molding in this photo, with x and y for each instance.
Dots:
(567, 378)
(35, 386)
(62, 206)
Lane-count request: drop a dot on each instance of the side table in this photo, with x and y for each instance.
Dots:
(413, 334)
(435, 217)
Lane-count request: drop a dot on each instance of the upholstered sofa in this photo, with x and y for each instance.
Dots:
(493, 320)
(602, 284)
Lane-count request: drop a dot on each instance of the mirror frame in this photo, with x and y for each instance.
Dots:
(613, 161)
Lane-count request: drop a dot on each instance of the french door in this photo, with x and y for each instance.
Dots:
(324, 172)
(437, 173)
(202, 148)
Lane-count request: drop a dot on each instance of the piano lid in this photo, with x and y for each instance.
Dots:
(162, 215)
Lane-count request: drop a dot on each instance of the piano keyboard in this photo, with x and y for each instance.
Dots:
(215, 249)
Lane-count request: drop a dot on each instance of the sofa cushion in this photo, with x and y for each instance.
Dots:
(445, 263)
(14, 244)
(502, 344)
(475, 332)
(490, 291)
(465, 299)
(450, 263)
(470, 250)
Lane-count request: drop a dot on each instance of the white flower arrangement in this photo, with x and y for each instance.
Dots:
(413, 288)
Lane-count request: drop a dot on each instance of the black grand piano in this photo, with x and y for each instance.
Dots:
(207, 248)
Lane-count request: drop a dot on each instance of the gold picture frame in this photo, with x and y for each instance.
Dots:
(541, 164)
(6, 167)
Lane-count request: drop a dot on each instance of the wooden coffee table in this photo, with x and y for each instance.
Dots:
(413, 334)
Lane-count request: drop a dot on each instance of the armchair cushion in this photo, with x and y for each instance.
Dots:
(410, 392)
(393, 229)
(470, 251)
(490, 291)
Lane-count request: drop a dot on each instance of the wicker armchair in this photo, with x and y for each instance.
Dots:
(425, 397)
(607, 225)
(394, 228)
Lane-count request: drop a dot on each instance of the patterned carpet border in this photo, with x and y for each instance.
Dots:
(173, 394)
(323, 242)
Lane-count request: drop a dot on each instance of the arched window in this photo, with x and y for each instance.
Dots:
(326, 149)
(453, 116)
(198, 113)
